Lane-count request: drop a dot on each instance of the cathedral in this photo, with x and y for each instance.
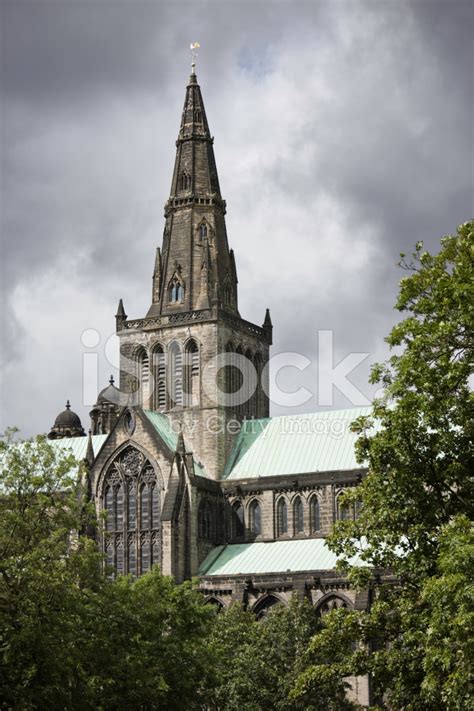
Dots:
(183, 457)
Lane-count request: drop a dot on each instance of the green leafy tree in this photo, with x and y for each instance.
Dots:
(417, 495)
(44, 570)
(257, 661)
(71, 638)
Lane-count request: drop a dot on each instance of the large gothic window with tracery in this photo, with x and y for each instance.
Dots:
(132, 522)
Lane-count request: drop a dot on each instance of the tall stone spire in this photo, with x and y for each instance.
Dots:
(195, 260)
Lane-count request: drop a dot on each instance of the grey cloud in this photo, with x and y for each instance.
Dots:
(92, 95)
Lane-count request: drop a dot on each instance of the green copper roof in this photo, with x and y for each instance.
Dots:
(78, 445)
(295, 444)
(273, 557)
(162, 425)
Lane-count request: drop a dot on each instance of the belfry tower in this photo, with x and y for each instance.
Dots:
(193, 357)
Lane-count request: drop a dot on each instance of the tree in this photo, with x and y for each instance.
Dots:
(71, 638)
(257, 661)
(417, 495)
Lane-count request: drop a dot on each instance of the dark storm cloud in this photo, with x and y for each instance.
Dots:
(343, 135)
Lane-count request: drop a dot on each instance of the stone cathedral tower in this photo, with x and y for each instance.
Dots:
(178, 358)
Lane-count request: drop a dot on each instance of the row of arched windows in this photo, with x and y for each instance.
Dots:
(290, 516)
(268, 601)
(132, 514)
(172, 378)
(298, 516)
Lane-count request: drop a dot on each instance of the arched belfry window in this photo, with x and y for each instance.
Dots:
(176, 362)
(257, 361)
(143, 375)
(159, 371)
(229, 374)
(202, 230)
(238, 377)
(298, 520)
(192, 373)
(248, 382)
(255, 518)
(282, 517)
(314, 514)
(132, 525)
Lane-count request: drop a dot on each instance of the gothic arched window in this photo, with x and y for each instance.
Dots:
(202, 230)
(255, 518)
(238, 377)
(230, 374)
(333, 602)
(176, 359)
(257, 361)
(314, 514)
(143, 375)
(185, 182)
(159, 363)
(132, 527)
(206, 528)
(248, 382)
(344, 512)
(282, 517)
(192, 373)
(264, 605)
(298, 515)
(237, 521)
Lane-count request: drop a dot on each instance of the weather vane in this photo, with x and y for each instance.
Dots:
(194, 53)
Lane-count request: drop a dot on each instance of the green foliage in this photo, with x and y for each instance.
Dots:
(69, 637)
(258, 661)
(327, 662)
(417, 497)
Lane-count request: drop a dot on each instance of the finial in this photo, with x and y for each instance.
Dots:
(68, 405)
(121, 310)
(90, 450)
(194, 46)
(111, 380)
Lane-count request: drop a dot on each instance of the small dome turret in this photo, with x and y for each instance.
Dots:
(67, 424)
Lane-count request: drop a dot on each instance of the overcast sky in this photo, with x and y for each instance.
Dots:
(343, 134)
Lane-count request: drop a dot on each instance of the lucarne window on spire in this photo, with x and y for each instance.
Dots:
(185, 182)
